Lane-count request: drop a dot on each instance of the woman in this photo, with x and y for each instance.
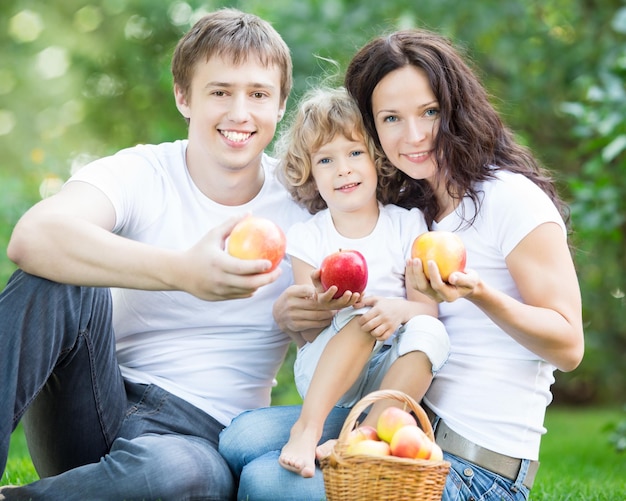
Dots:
(515, 315)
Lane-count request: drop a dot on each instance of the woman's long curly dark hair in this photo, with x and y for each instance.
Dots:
(471, 141)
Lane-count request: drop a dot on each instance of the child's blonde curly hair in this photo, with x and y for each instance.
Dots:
(322, 114)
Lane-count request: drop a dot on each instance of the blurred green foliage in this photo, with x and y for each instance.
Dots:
(82, 79)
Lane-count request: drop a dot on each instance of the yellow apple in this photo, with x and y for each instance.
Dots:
(257, 238)
(443, 247)
(436, 454)
(369, 447)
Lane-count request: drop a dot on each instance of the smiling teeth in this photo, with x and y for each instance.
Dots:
(237, 137)
(418, 155)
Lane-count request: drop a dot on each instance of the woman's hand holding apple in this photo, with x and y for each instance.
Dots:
(437, 267)
(460, 284)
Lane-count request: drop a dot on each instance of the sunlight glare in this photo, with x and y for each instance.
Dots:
(25, 26)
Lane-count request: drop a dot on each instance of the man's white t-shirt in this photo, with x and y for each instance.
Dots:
(492, 390)
(221, 356)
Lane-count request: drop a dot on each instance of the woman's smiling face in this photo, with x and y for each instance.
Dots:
(406, 114)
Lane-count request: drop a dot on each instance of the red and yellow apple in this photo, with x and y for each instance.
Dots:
(257, 238)
(392, 419)
(369, 447)
(345, 269)
(362, 433)
(397, 434)
(443, 247)
(411, 442)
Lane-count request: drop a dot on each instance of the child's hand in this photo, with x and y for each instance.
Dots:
(384, 317)
(325, 298)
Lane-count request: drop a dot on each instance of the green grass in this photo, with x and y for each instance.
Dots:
(578, 463)
(19, 469)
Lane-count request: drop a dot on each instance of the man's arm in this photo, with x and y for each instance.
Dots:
(67, 238)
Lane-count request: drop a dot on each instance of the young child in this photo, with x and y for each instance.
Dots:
(328, 165)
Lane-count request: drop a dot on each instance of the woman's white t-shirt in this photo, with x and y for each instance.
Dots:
(492, 390)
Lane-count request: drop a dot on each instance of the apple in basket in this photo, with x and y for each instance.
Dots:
(392, 419)
(362, 433)
(369, 447)
(436, 454)
(410, 442)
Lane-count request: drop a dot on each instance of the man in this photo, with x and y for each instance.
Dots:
(130, 337)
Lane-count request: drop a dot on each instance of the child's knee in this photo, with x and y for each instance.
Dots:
(428, 335)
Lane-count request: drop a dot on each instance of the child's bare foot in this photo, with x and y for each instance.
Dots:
(325, 449)
(298, 455)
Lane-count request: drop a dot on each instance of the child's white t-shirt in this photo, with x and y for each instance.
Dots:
(385, 249)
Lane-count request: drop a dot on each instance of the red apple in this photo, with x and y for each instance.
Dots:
(391, 420)
(370, 448)
(443, 247)
(410, 442)
(257, 238)
(346, 269)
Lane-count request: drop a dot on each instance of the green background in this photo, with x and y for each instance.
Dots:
(79, 80)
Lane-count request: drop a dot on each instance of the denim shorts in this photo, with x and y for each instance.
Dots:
(421, 333)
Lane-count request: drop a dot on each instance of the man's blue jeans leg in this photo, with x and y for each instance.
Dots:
(58, 370)
(91, 435)
(166, 450)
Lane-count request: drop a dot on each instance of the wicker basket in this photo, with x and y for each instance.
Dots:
(350, 477)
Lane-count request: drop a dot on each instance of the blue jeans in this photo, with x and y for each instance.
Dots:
(466, 481)
(252, 442)
(90, 434)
